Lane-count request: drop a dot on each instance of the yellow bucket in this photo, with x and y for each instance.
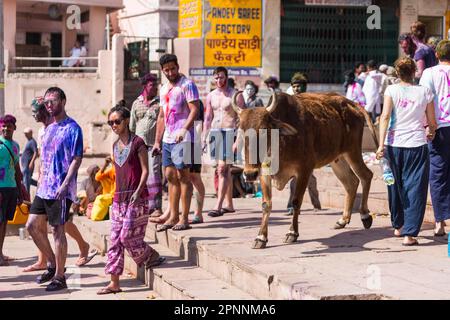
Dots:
(21, 215)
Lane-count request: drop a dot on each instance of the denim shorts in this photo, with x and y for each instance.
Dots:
(178, 155)
(221, 144)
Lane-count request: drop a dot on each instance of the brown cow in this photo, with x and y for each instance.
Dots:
(315, 130)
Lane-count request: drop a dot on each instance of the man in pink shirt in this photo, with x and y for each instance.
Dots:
(179, 108)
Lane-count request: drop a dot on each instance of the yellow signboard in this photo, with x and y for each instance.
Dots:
(233, 31)
(190, 19)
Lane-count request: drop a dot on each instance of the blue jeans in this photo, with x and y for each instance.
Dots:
(26, 180)
(408, 195)
(440, 174)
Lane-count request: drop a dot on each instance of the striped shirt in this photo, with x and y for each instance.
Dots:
(143, 119)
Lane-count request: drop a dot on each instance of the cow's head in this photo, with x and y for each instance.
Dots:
(253, 120)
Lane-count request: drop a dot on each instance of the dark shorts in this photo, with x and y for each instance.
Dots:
(8, 203)
(178, 155)
(196, 168)
(221, 144)
(57, 211)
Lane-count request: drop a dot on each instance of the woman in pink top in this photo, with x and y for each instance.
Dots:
(129, 214)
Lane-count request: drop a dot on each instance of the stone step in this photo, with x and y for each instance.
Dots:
(177, 278)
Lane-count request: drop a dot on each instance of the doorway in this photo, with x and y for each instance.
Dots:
(56, 48)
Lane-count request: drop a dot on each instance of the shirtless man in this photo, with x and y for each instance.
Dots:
(222, 120)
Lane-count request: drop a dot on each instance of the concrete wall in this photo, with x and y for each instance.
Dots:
(410, 10)
(89, 97)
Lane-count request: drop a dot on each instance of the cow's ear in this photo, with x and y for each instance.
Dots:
(285, 129)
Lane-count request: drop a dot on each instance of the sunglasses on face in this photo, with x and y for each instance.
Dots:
(51, 101)
(115, 122)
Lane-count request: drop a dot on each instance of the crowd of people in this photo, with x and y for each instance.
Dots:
(158, 139)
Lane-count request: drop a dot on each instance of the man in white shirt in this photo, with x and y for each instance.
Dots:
(372, 88)
(77, 51)
(437, 78)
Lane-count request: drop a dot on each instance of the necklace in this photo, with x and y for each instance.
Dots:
(122, 147)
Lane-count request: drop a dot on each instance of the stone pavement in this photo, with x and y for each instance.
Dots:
(214, 260)
(83, 282)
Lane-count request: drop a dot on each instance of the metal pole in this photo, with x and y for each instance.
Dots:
(2, 64)
(108, 39)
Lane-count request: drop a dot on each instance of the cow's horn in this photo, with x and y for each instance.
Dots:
(234, 104)
(273, 104)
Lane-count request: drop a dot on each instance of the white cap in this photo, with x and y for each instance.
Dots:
(27, 130)
(383, 68)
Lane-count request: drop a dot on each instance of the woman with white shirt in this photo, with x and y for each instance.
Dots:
(403, 142)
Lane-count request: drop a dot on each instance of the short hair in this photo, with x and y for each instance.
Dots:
(121, 108)
(251, 83)
(299, 77)
(371, 64)
(8, 119)
(406, 69)
(37, 104)
(149, 77)
(443, 50)
(418, 30)
(57, 90)
(168, 57)
(273, 79)
(231, 83)
(221, 69)
(409, 40)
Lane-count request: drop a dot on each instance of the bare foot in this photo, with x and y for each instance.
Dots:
(397, 232)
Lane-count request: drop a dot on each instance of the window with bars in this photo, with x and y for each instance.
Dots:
(324, 42)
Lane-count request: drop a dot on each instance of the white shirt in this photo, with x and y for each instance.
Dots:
(355, 94)
(406, 128)
(437, 79)
(371, 90)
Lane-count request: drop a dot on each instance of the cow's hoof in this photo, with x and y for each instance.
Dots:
(367, 223)
(291, 238)
(259, 244)
(340, 225)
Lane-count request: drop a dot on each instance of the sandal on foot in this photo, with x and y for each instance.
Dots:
(215, 213)
(34, 267)
(84, 260)
(108, 290)
(180, 227)
(155, 262)
(156, 214)
(164, 227)
(440, 233)
(409, 244)
(57, 284)
(225, 210)
(196, 220)
(157, 220)
(46, 276)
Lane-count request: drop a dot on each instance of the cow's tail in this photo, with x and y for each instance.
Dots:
(371, 126)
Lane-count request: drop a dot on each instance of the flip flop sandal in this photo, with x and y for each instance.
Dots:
(156, 214)
(215, 213)
(196, 220)
(225, 210)
(108, 291)
(164, 227)
(33, 268)
(181, 227)
(87, 259)
(414, 243)
(157, 220)
(155, 263)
